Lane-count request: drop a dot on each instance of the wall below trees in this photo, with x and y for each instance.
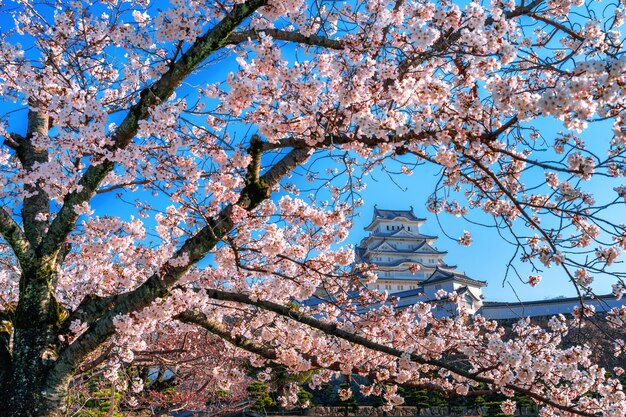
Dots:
(552, 307)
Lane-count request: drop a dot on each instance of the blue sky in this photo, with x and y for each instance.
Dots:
(485, 259)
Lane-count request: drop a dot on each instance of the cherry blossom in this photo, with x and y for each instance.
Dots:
(178, 181)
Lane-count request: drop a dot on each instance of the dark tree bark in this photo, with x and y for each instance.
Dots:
(35, 349)
(35, 365)
(6, 330)
(36, 320)
(35, 370)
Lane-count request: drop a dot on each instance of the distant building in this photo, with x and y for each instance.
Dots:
(551, 307)
(412, 270)
(409, 266)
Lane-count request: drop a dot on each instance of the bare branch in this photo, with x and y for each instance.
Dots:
(558, 26)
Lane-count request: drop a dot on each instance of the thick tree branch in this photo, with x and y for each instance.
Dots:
(159, 284)
(15, 237)
(218, 329)
(372, 141)
(284, 35)
(31, 154)
(13, 141)
(150, 97)
(90, 310)
(333, 329)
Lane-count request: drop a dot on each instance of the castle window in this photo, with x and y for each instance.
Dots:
(400, 287)
(387, 227)
(408, 228)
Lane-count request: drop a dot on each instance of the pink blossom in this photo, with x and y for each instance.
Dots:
(466, 239)
(508, 406)
(533, 280)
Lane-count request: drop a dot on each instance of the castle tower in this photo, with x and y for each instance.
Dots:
(408, 265)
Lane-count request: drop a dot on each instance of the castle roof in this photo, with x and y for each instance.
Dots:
(384, 214)
(409, 293)
(393, 214)
(385, 247)
(402, 234)
(441, 275)
(557, 300)
(405, 234)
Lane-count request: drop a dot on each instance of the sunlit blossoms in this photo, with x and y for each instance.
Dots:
(176, 180)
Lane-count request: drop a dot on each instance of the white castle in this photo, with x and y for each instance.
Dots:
(408, 265)
(411, 269)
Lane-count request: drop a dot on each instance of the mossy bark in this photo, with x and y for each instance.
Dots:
(36, 344)
(36, 368)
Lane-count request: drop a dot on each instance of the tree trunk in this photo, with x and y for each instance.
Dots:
(36, 344)
(6, 330)
(30, 394)
(29, 391)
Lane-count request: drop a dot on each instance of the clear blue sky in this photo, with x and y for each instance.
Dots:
(485, 259)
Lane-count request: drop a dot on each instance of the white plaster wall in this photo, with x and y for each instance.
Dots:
(545, 309)
(431, 289)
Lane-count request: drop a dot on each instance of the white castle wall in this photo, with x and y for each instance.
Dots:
(504, 311)
(394, 235)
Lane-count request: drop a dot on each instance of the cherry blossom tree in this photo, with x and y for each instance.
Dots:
(240, 134)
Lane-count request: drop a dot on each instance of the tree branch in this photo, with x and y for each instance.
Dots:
(159, 284)
(218, 329)
(13, 141)
(450, 37)
(332, 329)
(15, 237)
(558, 26)
(90, 310)
(283, 35)
(159, 92)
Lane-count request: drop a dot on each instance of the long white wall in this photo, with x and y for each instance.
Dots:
(552, 307)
